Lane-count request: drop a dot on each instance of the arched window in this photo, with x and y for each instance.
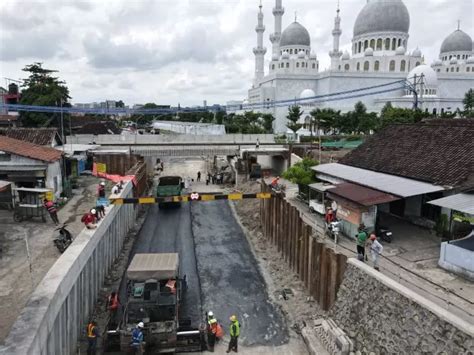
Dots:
(339, 67)
(457, 70)
(291, 51)
(387, 44)
(372, 43)
(358, 66)
(417, 64)
(314, 65)
(439, 70)
(366, 65)
(399, 42)
(434, 112)
(297, 64)
(459, 56)
(273, 66)
(347, 67)
(403, 64)
(442, 111)
(394, 44)
(376, 65)
(379, 44)
(392, 65)
(452, 69)
(447, 70)
(468, 69)
(366, 44)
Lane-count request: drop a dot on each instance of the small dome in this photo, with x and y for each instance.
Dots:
(458, 41)
(295, 35)
(313, 56)
(301, 54)
(307, 93)
(369, 52)
(285, 55)
(470, 60)
(453, 61)
(437, 63)
(275, 57)
(346, 56)
(400, 50)
(430, 79)
(416, 53)
(382, 16)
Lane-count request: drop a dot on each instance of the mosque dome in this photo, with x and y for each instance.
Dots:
(430, 79)
(313, 56)
(382, 16)
(453, 61)
(275, 57)
(369, 52)
(416, 53)
(285, 55)
(301, 54)
(470, 60)
(295, 35)
(437, 63)
(346, 56)
(400, 50)
(307, 93)
(458, 41)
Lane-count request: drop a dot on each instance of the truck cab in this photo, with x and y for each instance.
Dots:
(169, 186)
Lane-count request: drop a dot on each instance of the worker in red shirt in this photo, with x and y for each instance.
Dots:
(329, 217)
(275, 182)
(53, 212)
(89, 219)
(113, 305)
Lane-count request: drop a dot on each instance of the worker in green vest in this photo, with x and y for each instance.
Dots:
(234, 333)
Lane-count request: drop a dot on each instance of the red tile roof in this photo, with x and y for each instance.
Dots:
(29, 150)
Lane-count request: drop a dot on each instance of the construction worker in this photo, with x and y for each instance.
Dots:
(361, 242)
(113, 305)
(101, 190)
(92, 334)
(234, 334)
(89, 219)
(53, 212)
(211, 331)
(137, 339)
(376, 249)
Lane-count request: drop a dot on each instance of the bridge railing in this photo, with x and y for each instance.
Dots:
(58, 310)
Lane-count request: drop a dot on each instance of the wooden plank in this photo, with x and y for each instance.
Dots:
(322, 277)
(332, 279)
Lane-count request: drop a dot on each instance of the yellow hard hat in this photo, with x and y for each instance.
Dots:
(233, 318)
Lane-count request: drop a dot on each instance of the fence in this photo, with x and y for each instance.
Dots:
(57, 312)
(318, 266)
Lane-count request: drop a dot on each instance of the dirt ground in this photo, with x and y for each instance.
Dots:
(19, 275)
(300, 307)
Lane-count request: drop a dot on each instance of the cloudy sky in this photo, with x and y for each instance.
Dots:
(186, 51)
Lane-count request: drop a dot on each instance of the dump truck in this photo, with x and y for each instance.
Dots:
(169, 186)
(154, 292)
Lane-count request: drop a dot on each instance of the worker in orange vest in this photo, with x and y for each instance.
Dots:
(113, 304)
(92, 335)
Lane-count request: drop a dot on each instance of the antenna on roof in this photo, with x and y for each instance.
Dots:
(295, 16)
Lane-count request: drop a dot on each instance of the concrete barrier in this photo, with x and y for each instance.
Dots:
(58, 310)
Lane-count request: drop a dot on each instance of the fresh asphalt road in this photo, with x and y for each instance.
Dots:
(221, 270)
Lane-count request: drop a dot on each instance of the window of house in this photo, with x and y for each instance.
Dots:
(399, 42)
(392, 65)
(360, 47)
(394, 44)
(379, 44)
(403, 64)
(366, 66)
(434, 112)
(387, 44)
(376, 65)
(372, 43)
(366, 44)
(346, 67)
(5, 156)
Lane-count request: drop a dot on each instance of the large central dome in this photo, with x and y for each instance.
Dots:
(382, 16)
(458, 41)
(295, 35)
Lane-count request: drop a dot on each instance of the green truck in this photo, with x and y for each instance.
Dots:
(169, 186)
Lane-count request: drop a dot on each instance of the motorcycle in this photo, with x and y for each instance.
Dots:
(64, 239)
(383, 233)
(333, 229)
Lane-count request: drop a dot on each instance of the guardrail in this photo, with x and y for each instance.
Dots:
(58, 310)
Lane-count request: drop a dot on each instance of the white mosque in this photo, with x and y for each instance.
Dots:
(379, 56)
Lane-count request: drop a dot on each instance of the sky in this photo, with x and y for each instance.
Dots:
(182, 51)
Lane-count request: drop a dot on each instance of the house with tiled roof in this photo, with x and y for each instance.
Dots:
(30, 165)
(48, 137)
(411, 165)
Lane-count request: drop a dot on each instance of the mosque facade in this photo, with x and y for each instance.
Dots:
(379, 63)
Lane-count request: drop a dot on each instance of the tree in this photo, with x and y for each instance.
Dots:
(119, 104)
(42, 89)
(267, 122)
(302, 174)
(393, 115)
(294, 114)
(468, 103)
(325, 119)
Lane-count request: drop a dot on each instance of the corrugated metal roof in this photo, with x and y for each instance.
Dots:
(158, 266)
(321, 186)
(361, 195)
(392, 184)
(463, 202)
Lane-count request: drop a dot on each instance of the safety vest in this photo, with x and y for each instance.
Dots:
(213, 325)
(137, 337)
(113, 302)
(91, 331)
(235, 329)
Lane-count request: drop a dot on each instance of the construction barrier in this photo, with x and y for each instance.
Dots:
(195, 196)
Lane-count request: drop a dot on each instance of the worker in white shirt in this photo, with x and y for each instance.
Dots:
(376, 249)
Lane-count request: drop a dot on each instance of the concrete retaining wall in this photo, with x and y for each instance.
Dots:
(58, 310)
(457, 260)
(383, 317)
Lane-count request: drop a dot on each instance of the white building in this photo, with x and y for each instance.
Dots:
(379, 57)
